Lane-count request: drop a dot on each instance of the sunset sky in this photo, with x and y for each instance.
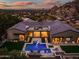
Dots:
(22, 4)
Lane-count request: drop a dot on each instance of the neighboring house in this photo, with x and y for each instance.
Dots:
(46, 31)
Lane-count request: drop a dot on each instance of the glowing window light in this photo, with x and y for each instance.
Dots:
(44, 34)
(36, 34)
(30, 34)
(21, 37)
(66, 42)
(78, 40)
(56, 40)
(68, 39)
(73, 42)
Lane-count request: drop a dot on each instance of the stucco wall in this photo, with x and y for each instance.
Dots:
(10, 33)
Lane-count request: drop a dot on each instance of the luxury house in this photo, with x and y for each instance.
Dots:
(56, 32)
(54, 39)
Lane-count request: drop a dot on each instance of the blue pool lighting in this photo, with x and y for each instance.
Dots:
(37, 47)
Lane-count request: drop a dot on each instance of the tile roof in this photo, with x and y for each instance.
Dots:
(56, 26)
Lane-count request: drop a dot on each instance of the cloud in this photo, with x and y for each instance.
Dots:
(50, 3)
(2, 3)
(28, 4)
(22, 3)
(44, 4)
(15, 5)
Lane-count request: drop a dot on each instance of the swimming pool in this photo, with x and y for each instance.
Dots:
(37, 47)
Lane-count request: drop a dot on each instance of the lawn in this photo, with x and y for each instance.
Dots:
(70, 49)
(13, 45)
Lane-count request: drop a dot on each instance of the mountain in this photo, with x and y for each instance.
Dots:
(68, 12)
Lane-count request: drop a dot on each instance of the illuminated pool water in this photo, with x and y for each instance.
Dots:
(37, 47)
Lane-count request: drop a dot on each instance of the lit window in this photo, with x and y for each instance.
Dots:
(56, 40)
(21, 37)
(44, 34)
(78, 40)
(36, 34)
(67, 39)
(30, 34)
(73, 42)
(66, 42)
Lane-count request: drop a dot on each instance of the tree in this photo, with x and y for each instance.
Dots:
(6, 21)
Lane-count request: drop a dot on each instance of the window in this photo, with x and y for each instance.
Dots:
(67, 39)
(44, 34)
(36, 34)
(56, 40)
(78, 40)
(30, 34)
(21, 37)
